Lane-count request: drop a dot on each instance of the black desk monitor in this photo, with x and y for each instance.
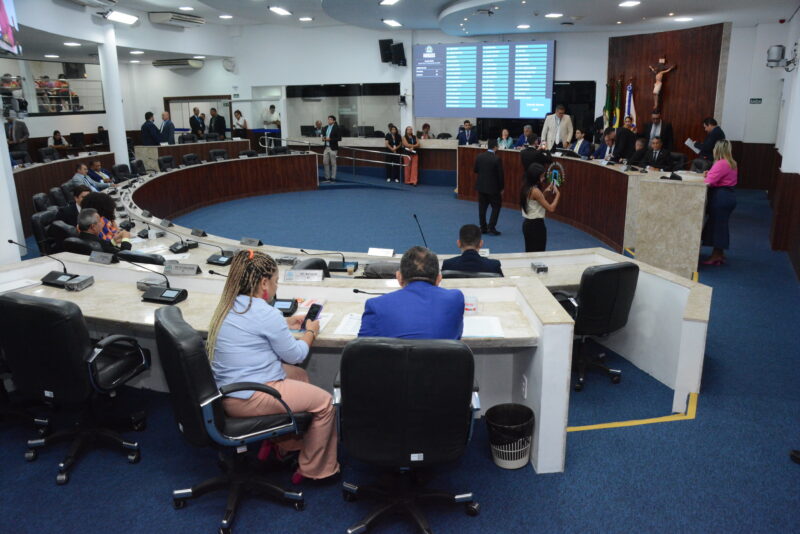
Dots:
(101, 138)
(76, 139)
(366, 131)
(307, 131)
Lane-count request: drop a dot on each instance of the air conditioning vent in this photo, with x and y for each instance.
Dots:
(178, 63)
(95, 3)
(176, 19)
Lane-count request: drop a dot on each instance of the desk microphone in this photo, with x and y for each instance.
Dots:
(367, 292)
(218, 274)
(180, 247)
(161, 295)
(217, 259)
(334, 266)
(420, 230)
(53, 278)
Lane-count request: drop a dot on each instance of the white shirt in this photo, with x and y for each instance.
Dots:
(271, 118)
(655, 130)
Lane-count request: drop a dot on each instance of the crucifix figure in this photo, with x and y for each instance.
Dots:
(659, 70)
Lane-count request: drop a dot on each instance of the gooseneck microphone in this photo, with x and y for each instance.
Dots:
(53, 278)
(177, 248)
(217, 259)
(218, 274)
(420, 230)
(158, 294)
(367, 292)
(322, 254)
(334, 266)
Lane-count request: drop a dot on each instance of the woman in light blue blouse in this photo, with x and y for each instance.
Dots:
(250, 341)
(505, 141)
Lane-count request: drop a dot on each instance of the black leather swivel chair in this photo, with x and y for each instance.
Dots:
(66, 189)
(248, 153)
(313, 264)
(405, 405)
(41, 202)
(57, 232)
(191, 159)
(122, 172)
(166, 163)
(212, 136)
(140, 257)
(378, 133)
(678, 160)
(48, 154)
(187, 138)
(40, 222)
(57, 197)
(76, 245)
(469, 274)
(601, 307)
(51, 357)
(21, 156)
(197, 404)
(214, 155)
(137, 167)
(384, 270)
(444, 135)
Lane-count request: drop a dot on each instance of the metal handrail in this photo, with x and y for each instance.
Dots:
(270, 141)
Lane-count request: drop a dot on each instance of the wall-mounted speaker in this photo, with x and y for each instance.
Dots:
(386, 50)
(398, 54)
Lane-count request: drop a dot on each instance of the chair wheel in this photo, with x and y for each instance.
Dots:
(139, 426)
(349, 496)
(578, 386)
(134, 457)
(615, 379)
(472, 509)
(62, 478)
(225, 530)
(31, 455)
(299, 505)
(178, 503)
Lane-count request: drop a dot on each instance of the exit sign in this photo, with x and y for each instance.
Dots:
(755, 100)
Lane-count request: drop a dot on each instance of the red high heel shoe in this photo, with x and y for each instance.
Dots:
(718, 261)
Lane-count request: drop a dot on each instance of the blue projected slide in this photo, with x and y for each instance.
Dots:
(498, 80)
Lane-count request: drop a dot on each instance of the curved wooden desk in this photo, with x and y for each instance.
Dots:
(183, 190)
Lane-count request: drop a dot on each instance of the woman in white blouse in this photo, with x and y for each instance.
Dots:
(239, 125)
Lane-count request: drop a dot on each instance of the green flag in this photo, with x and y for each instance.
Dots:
(618, 105)
(607, 108)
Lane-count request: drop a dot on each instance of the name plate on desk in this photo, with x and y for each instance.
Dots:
(243, 156)
(103, 258)
(182, 269)
(303, 276)
(164, 144)
(483, 253)
(166, 222)
(250, 242)
(71, 156)
(604, 162)
(382, 252)
(197, 232)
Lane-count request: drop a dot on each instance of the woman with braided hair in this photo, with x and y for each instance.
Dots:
(250, 341)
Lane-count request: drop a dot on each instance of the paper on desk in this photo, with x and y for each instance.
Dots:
(17, 284)
(324, 319)
(350, 325)
(156, 249)
(176, 257)
(482, 326)
(135, 240)
(690, 143)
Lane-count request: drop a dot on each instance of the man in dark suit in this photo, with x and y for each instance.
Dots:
(489, 184)
(706, 157)
(467, 136)
(16, 133)
(624, 142)
(606, 149)
(637, 159)
(421, 309)
(98, 173)
(90, 225)
(150, 134)
(657, 157)
(330, 142)
(197, 124)
(167, 129)
(657, 127)
(470, 243)
(216, 123)
(69, 213)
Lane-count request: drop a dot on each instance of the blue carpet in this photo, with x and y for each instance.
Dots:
(726, 471)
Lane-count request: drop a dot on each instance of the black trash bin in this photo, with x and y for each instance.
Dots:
(510, 434)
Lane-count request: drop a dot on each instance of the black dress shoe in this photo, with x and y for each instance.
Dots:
(484, 231)
(795, 455)
(492, 231)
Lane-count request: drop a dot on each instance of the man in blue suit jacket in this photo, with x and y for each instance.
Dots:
(605, 150)
(421, 309)
(150, 133)
(470, 243)
(467, 136)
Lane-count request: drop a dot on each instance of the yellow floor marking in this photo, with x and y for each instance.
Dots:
(691, 412)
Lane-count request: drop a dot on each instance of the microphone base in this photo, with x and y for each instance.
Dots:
(57, 279)
(163, 295)
(218, 259)
(341, 266)
(179, 248)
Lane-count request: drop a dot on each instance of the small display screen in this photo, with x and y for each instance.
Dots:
(283, 304)
(170, 293)
(64, 278)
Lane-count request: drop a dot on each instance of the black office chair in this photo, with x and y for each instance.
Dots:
(66, 189)
(217, 153)
(51, 357)
(140, 257)
(444, 135)
(57, 232)
(122, 172)
(57, 197)
(48, 154)
(21, 156)
(76, 245)
(191, 159)
(41, 202)
(137, 166)
(40, 222)
(212, 136)
(16, 409)
(601, 307)
(77, 139)
(384, 270)
(248, 153)
(313, 264)
(678, 160)
(197, 404)
(166, 163)
(378, 133)
(187, 138)
(468, 274)
(405, 405)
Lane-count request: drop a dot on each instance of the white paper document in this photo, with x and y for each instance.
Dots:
(482, 326)
(350, 325)
(17, 284)
(176, 257)
(690, 143)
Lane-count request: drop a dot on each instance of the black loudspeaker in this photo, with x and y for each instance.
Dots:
(74, 70)
(398, 54)
(386, 50)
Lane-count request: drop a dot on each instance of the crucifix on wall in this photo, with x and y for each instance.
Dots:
(660, 70)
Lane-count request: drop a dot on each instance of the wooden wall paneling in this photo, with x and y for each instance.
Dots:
(785, 228)
(689, 92)
(759, 164)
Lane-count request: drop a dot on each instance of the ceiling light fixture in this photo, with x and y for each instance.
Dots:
(51, 56)
(629, 3)
(118, 16)
(306, 19)
(198, 57)
(524, 2)
(226, 17)
(391, 22)
(134, 61)
(523, 26)
(619, 22)
(554, 15)
(672, 14)
(683, 19)
(186, 8)
(136, 52)
(70, 43)
(388, 2)
(280, 11)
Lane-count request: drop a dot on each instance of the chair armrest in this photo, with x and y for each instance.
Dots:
(110, 340)
(567, 296)
(106, 343)
(249, 386)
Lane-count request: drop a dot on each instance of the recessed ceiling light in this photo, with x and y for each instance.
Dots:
(672, 14)
(226, 17)
(465, 18)
(186, 8)
(388, 2)
(391, 22)
(198, 57)
(280, 11)
(306, 19)
(70, 43)
(554, 15)
(523, 26)
(524, 2)
(619, 22)
(134, 61)
(118, 16)
(51, 56)
(629, 3)
(683, 19)
(136, 52)
(496, 8)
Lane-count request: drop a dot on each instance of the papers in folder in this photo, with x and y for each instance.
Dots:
(482, 326)
(349, 326)
(690, 143)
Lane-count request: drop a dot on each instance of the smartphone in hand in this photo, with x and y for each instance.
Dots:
(313, 314)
